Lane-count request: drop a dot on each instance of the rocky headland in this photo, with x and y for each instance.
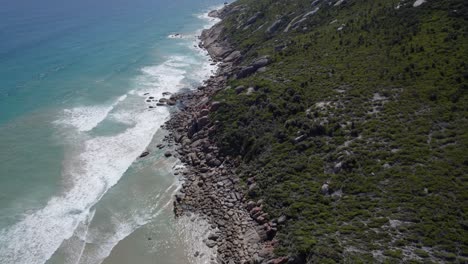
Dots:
(332, 132)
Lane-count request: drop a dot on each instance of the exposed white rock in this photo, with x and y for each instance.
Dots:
(339, 2)
(311, 12)
(315, 2)
(418, 3)
(378, 97)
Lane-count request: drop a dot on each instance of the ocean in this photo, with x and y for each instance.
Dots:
(76, 79)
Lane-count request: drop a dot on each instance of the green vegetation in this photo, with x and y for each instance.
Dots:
(378, 109)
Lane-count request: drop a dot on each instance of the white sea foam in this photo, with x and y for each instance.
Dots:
(99, 166)
(73, 248)
(85, 118)
(201, 72)
(102, 242)
(210, 21)
(100, 162)
(166, 77)
(194, 230)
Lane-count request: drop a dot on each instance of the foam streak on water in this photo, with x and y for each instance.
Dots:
(99, 166)
(85, 118)
(100, 160)
(124, 229)
(94, 171)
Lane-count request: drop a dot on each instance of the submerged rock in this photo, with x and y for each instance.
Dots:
(144, 154)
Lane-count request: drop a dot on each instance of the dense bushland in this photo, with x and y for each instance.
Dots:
(368, 98)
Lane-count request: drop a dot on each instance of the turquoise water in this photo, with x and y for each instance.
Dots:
(74, 80)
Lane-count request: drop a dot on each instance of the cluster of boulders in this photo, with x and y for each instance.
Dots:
(210, 187)
(257, 65)
(240, 231)
(166, 100)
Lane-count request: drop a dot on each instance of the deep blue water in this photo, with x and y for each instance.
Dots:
(74, 80)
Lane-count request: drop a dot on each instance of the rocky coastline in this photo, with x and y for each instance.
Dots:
(240, 231)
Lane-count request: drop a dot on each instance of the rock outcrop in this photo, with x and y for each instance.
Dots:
(241, 233)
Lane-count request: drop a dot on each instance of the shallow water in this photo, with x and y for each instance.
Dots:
(74, 81)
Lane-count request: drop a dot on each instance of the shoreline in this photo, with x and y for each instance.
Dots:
(240, 232)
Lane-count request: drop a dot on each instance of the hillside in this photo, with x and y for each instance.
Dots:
(349, 121)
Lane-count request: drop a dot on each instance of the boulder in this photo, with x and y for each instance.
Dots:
(338, 166)
(261, 62)
(218, 51)
(325, 188)
(210, 243)
(144, 154)
(245, 72)
(271, 232)
(210, 36)
(234, 56)
(251, 236)
(260, 219)
(214, 162)
(253, 18)
(300, 138)
(202, 122)
(253, 67)
(167, 154)
(204, 112)
(266, 252)
(193, 158)
(213, 13)
(215, 106)
(274, 26)
(250, 205)
(239, 89)
(180, 197)
(255, 210)
(281, 260)
(193, 128)
(213, 236)
(178, 137)
(261, 233)
(281, 220)
(252, 189)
